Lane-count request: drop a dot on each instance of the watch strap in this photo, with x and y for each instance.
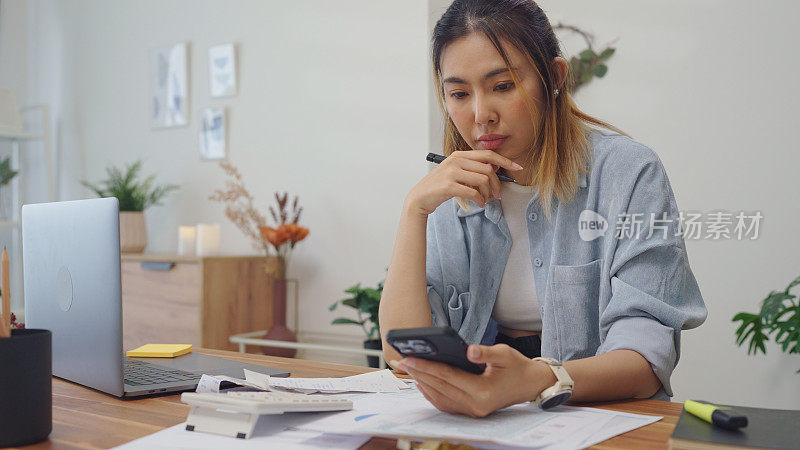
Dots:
(562, 387)
(558, 369)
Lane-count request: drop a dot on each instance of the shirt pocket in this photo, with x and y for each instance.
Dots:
(576, 292)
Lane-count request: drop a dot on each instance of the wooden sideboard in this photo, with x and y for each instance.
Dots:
(195, 300)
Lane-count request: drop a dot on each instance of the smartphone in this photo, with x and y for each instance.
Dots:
(442, 344)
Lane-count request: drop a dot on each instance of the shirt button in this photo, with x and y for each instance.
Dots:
(537, 262)
(532, 216)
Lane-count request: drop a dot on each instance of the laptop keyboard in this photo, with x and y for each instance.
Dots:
(139, 373)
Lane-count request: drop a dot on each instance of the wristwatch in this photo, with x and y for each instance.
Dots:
(559, 392)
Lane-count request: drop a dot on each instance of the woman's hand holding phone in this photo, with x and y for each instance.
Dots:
(468, 174)
(509, 378)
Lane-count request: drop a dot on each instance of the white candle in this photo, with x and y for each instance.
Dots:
(207, 239)
(186, 240)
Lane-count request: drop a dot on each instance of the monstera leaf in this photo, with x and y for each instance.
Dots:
(779, 315)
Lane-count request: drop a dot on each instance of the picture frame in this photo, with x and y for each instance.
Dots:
(222, 70)
(169, 86)
(213, 134)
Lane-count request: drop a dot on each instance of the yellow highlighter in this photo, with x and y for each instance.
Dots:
(721, 416)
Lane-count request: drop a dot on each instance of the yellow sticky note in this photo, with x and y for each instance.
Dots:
(160, 351)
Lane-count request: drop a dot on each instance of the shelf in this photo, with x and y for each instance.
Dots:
(7, 223)
(19, 135)
(253, 338)
(159, 257)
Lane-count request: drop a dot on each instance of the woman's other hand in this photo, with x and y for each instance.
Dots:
(509, 378)
(468, 174)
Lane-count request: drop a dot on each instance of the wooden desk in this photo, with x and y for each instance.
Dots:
(84, 418)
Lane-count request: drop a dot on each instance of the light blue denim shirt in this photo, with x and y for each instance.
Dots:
(625, 288)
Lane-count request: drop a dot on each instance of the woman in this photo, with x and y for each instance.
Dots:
(582, 260)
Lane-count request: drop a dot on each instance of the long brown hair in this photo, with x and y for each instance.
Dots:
(560, 152)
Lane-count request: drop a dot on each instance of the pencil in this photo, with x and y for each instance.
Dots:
(6, 326)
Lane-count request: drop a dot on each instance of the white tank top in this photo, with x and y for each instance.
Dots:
(517, 306)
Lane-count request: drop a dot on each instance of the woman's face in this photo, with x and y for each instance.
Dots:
(482, 100)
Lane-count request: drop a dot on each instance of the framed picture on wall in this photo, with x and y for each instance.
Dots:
(212, 134)
(222, 70)
(169, 86)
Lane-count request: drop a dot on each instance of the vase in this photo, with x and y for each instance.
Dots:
(132, 232)
(279, 331)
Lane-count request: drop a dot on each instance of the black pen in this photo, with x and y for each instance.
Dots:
(434, 158)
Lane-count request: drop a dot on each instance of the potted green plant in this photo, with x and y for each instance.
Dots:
(134, 197)
(365, 301)
(779, 315)
(6, 175)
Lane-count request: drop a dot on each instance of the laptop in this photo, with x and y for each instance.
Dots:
(71, 268)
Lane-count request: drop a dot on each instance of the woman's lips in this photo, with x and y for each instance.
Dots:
(493, 144)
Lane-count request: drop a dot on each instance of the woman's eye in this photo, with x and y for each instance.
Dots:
(504, 86)
(500, 87)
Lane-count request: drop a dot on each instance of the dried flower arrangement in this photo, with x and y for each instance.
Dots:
(286, 234)
(240, 209)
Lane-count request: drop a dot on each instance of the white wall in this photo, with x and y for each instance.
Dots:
(708, 85)
(332, 106)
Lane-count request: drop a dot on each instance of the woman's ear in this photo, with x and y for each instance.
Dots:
(560, 67)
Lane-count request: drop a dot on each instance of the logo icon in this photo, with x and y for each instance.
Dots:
(591, 225)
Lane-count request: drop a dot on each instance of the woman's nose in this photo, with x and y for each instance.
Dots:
(484, 112)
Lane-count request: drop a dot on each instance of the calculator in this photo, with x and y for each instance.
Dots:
(236, 413)
(266, 402)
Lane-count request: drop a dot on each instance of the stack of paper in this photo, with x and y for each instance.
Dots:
(384, 405)
(408, 414)
(159, 351)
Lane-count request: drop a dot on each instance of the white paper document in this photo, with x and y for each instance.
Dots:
(212, 384)
(272, 431)
(208, 383)
(620, 423)
(401, 411)
(377, 381)
(409, 414)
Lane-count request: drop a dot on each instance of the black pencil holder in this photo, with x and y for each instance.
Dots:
(26, 387)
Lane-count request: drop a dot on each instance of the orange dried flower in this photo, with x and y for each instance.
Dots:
(241, 210)
(296, 232)
(275, 236)
(285, 232)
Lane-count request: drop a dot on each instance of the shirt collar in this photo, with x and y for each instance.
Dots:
(493, 210)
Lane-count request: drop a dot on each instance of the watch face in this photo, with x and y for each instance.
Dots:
(555, 400)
